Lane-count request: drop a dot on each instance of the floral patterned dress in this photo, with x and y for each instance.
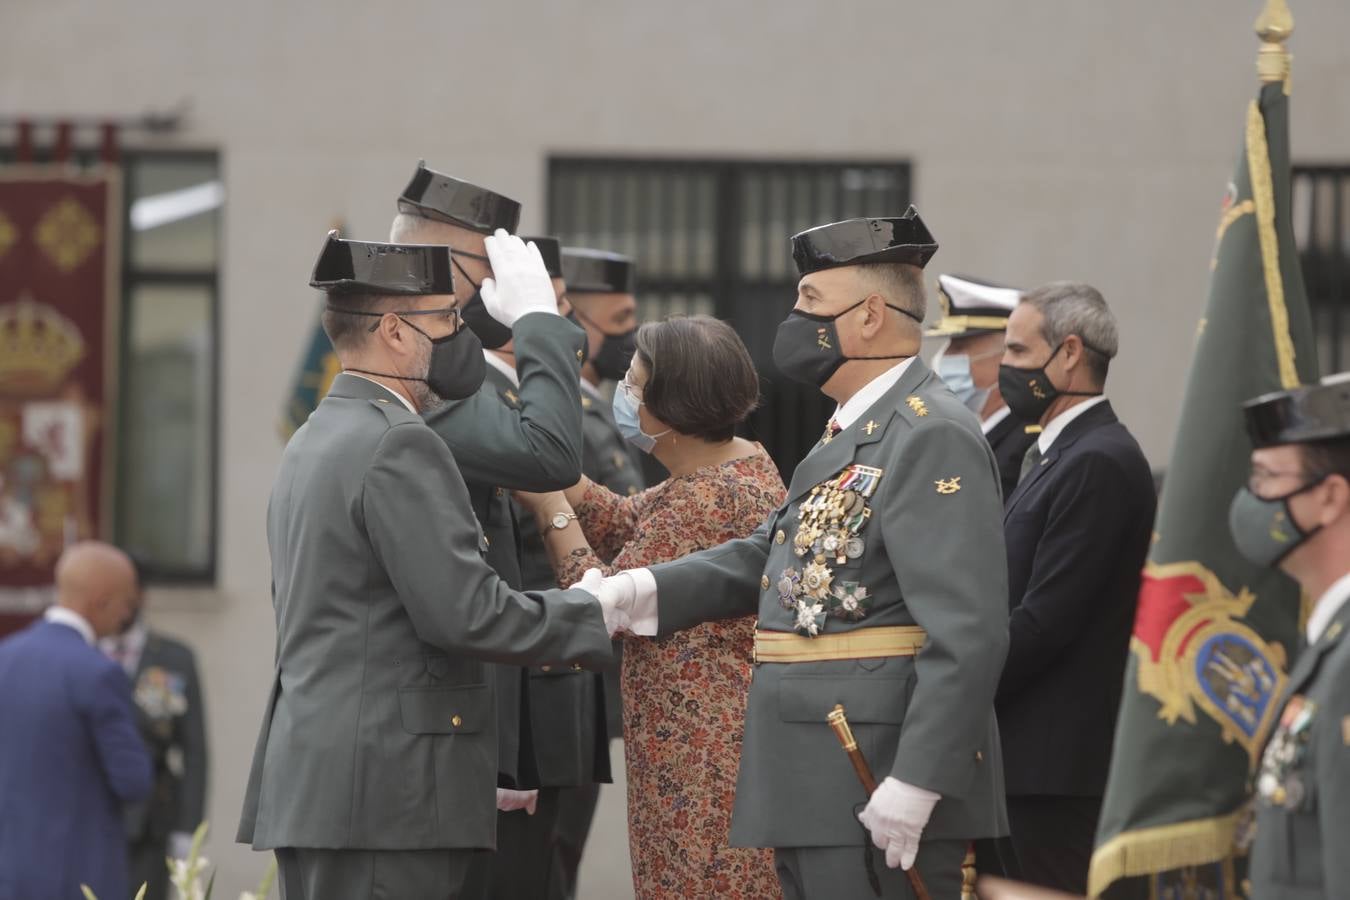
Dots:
(684, 695)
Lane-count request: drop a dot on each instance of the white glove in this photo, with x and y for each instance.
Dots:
(896, 815)
(509, 801)
(519, 282)
(615, 593)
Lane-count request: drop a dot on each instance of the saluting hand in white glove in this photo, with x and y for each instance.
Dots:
(616, 595)
(520, 283)
(896, 816)
(509, 800)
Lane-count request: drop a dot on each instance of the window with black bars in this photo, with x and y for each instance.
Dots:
(166, 487)
(1322, 229)
(712, 237)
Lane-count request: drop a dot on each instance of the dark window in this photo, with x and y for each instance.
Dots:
(168, 382)
(711, 236)
(1322, 227)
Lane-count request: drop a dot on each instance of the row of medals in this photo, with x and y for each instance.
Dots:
(1279, 783)
(830, 520)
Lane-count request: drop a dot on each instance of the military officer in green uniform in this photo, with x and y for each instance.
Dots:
(865, 594)
(1295, 514)
(375, 773)
(532, 442)
(974, 322)
(564, 750)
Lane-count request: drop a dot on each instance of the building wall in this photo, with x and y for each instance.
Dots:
(1058, 139)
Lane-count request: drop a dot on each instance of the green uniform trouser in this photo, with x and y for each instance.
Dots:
(304, 874)
(835, 873)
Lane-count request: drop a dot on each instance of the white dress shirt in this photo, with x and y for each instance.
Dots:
(642, 619)
(401, 399)
(995, 417)
(1327, 606)
(126, 648)
(71, 619)
(1057, 425)
(502, 366)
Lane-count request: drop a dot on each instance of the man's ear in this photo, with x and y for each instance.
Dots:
(1338, 498)
(875, 305)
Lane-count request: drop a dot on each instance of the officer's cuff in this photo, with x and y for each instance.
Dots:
(642, 618)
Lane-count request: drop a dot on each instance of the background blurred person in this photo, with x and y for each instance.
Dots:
(71, 755)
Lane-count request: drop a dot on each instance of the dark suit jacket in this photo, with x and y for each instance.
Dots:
(169, 710)
(1077, 530)
(1010, 441)
(70, 757)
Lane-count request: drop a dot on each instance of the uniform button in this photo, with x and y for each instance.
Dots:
(979, 756)
(576, 667)
(500, 492)
(487, 541)
(456, 721)
(764, 582)
(779, 537)
(632, 491)
(546, 668)
(581, 355)
(1279, 796)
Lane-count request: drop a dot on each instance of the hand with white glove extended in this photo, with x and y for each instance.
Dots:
(520, 283)
(508, 800)
(615, 593)
(896, 816)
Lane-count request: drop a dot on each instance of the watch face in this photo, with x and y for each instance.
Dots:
(560, 521)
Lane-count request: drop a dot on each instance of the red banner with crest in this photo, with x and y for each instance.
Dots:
(60, 255)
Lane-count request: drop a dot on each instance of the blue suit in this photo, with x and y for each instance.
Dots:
(71, 756)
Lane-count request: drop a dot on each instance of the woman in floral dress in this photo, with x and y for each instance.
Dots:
(690, 384)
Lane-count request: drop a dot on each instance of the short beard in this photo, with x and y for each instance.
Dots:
(426, 400)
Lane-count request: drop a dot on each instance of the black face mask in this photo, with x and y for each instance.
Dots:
(492, 333)
(1029, 392)
(456, 369)
(806, 348)
(616, 350)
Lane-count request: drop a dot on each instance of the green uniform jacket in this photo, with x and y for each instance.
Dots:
(1302, 843)
(610, 460)
(928, 720)
(532, 443)
(380, 729)
(563, 741)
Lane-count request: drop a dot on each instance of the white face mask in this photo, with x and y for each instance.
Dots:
(954, 370)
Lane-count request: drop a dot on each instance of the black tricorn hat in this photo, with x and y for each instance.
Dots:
(971, 306)
(366, 267)
(857, 241)
(1313, 412)
(550, 248)
(598, 272)
(432, 195)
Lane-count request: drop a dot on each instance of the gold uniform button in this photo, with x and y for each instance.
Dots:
(546, 668)
(979, 756)
(456, 721)
(581, 356)
(779, 537)
(764, 582)
(576, 667)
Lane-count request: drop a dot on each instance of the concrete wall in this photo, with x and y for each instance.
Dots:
(1049, 140)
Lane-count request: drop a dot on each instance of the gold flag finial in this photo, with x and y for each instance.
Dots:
(1274, 26)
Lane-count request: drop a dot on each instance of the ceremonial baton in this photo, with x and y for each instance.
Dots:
(839, 723)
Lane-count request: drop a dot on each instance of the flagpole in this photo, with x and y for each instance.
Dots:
(1273, 26)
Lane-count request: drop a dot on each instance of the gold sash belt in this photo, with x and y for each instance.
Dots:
(864, 643)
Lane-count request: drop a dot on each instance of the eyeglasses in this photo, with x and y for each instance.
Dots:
(633, 391)
(1260, 475)
(449, 314)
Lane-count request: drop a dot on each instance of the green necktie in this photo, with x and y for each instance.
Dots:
(1030, 461)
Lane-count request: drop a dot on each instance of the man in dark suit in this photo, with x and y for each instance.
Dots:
(1077, 529)
(168, 698)
(71, 756)
(974, 319)
(375, 772)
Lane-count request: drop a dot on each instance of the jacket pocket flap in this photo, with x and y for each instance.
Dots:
(445, 710)
(875, 700)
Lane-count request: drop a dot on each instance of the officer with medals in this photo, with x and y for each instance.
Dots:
(1295, 514)
(531, 442)
(865, 594)
(974, 321)
(564, 746)
(376, 766)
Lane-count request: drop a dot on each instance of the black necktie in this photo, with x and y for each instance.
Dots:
(1030, 461)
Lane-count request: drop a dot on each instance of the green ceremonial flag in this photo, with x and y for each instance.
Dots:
(317, 368)
(1213, 635)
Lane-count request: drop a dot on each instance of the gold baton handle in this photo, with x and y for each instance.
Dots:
(839, 725)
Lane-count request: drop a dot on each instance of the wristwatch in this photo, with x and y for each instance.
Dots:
(560, 520)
